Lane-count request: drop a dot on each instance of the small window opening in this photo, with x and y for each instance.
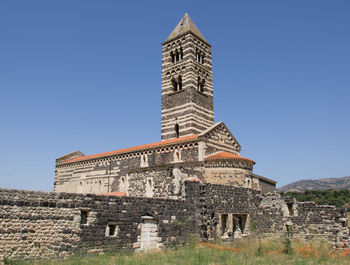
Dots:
(111, 230)
(289, 229)
(200, 57)
(239, 223)
(290, 209)
(83, 216)
(177, 84)
(200, 85)
(177, 130)
(176, 56)
(178, 155)
(242, 222)
(224, 218)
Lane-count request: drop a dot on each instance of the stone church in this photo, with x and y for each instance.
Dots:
(192, 147)
(193, 182)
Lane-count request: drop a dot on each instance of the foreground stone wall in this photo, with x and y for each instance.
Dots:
(48, 224)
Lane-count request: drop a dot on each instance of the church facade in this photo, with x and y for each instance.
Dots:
(192, 146)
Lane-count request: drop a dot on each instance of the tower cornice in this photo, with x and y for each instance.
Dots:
(183, 34)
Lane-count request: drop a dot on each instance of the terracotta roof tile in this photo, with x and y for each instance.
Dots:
(194, 179)
(113, 193)
(136, 148)
(226, 156)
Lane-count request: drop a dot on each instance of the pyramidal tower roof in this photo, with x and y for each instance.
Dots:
(185, 25)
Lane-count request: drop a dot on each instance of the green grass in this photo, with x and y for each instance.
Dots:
(240, 252)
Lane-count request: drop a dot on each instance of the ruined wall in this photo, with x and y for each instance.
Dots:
(269, 214)
(266, 186)
(48, 224)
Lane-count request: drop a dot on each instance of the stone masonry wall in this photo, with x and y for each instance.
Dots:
(104, 174)
(48, 224)
(269, 213)
(166, 182)
(266, 186)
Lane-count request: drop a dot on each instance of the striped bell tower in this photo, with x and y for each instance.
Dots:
(187, 82)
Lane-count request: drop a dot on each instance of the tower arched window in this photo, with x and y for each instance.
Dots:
(177, 83)
(200, 85)
(176, 55)
(200, 57)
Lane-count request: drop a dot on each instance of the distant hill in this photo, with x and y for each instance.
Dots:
(317, 184)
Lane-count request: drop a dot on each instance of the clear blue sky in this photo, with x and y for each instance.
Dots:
(86, 75)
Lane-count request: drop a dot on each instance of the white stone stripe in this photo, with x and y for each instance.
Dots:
(181, 133)
(192, 122)
(220, 146)
(171, 91)
(185, 129)
(171, 117)
(187, 122)
(184, 121)
(189, 117)
(185, 106)
(194, 113)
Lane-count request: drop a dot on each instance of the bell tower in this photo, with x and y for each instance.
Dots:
(187, 82)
